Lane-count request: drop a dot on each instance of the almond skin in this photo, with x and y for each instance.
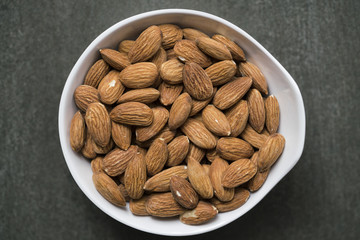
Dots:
(170, 35)
(144, 95)
(238, 172)
(159, 58)
(199, 179)
(165, 133)
(254, 138)
(163, 205)
(198, 105)
(137, 207)
(171, 71)
(198, 134)
(180, 111)
(195, 153)
(231, 92)
(132, 113)
(217, 169)
(240, 198)
(169, 93)
(203, 213)
(108, 189)
(125, 46)
(170, 53)
(183, 192)
(115, 59)
(84, 95)
(110, 88)
(146, 45)
(250, 70)
(215, 121)
(272, 113)
(98, 123)
(211, 155)
(221, 72)
(213, 48)
(187, 51)
(156, 156)
(97, 72)
(196, 81)
(161, 181)
(116, 161)
(96, 165)
(139, 75)
(178, 149)
(238, 116)
(231, 148)
(256, 110)
(258, 180)
(88, 148)
(77, 132)
(104, 150)
(236, 52)
(193, 34)
(270, 151)
(121, 134)
(135, 176)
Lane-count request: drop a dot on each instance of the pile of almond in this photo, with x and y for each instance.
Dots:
(176, 123)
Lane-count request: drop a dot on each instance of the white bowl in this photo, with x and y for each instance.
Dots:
(281, 84)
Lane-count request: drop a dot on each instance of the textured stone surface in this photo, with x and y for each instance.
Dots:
(316, 41)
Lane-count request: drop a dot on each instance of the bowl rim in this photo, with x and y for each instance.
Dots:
(62, 109)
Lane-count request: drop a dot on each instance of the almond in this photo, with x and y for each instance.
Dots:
(250, 70)
(77, 132)
(180, 111)
(231, 92)
(144, 95)
(231, 148)
(272, 111)
(84, 95)
(221, 72)
(98, 123)
(256, 110)
(170, 35)
(132, 113)
(161, 181)
(270, 151)
(187, 51)
(258, 180)
(88, 148)
(169, 93)
(165, 133)
(104, 150)
(96, 73)
(238, 116)
(215, 121)
(108, 189)
(193, 34)
(213, 48)
(115, 59)
(198, 134)
(196, 81)
(121, 134)
(199, 179)
(183, 192)
(238, 172)
(171, 71)
(146, 45)
(137, 206)
(198, 105)
(139, 75)
(116, 161)
(236, 52)
(124, 192)
(161, 116)
(135, 176)
(110, 88)
(195, 153)
(156, 156)
(254, 138)
(240, 198)
(178, 149)
(170, 53)
(159, 58)
(125, 46)
(211, 155)
(96, 165)
(163, 205)
(206, 167)
(203, 213)
(217, 169)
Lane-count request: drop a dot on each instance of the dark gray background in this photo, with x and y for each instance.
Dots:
(316, 41)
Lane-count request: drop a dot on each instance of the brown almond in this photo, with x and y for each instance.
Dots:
(183, 192)
(254, 138)
(178, 149)
(121, 134)
(125, 46)
(132, 113)
(180, 111)
(250, 70)
(115, 59)
(272, 113)
(170, 53)
(256, 110)
(195, 153)
(146, 45)
(213, 48)
(198, 105)
(221, 72)
(236, 52)
(206, 167)
(98, 123)
(198, 134)
(238, 172)
(215, 121)
(161, 181)
(108, 189)
(137, 206)
(193, 34)
(238, 116)
(88, 148)
(135, 176)
(144, 95)
(199, 179)
(270, 151)
(84, 95)
(170, 35)
(231, 92)
(159, 58)
(163, 205)
(231, 148)
(97, 72)
(116, 161)
(77, 132)
(165, 133)
(211, 155)
(187, 51)
(124, 192)
(110, 88)
(139, 75)
(240, 198)
(169, 93)
(258, 180)
(203, 213)
(104, 150)
(156, 156)
(217, 169)
(96, 164)
(196, 81)
(171, 71)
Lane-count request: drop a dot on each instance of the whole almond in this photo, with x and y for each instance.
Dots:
(139, 75)
(96, 73)
(135, 176)
(196, 81)
(169, 93)
(116, 161)
(213, 48)
(238, 116)
(198, 134)
(195, 153)
(84, 95)
(125, 46)
(217, 169)
(137, 206)
(165, 133)
(270, 151)
(163, 205)
(98, 123)
(170, 35)
(198, 105)
(110, 88)
(231, 92)
(121, 134)
(183, 192)
(144, 95)
(250, 70)
(156, 156)
(231, 148)
(199, 179)
(203, 213)
(178, 149)
(254, 138)
(193, 34)
(159, 58)
(236, 52)
(88, 148)
(221, 72)
(77, 132)
(206, 167)
(170, 53)
(171, 71)
(272, 111)
(161, 181)
(96, 165)
(115, 59)
(161, 116)
(256, 110)
(108, 189)
(132, 113)
(211, 155)
(146, 45)
(180, 111)
(238, 172)
(258, 180)
(240, 198)
(215, 121)
(187, 51)
(104, 150)
(124, 192)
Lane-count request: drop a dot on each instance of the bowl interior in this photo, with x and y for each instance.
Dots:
(292, 116)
